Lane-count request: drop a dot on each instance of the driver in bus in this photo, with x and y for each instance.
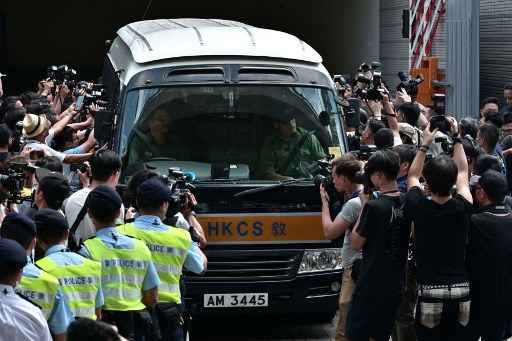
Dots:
(158, 141)
(276, 159)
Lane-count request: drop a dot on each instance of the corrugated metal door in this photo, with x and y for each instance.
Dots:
(495, 46)
(394, 50)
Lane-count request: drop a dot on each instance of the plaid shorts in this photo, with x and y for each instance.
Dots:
(433, 298)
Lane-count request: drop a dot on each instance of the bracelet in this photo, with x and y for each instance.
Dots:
(423, 149)
(425, 146)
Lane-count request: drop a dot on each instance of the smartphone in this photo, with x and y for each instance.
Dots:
(79, 103)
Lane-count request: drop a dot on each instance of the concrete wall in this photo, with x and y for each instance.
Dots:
(38, 34)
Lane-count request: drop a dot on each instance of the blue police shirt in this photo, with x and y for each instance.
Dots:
(60, 316)
(111, 237)
(59, 254)
(193, 262)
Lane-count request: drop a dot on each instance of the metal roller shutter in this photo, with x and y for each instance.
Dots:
(394, 50)
(495, 46)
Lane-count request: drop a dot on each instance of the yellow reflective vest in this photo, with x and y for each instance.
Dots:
(80, 284)
(41, 290)
(123, 273)
(169, 250)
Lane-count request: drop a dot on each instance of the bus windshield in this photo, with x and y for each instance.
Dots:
(247, 132)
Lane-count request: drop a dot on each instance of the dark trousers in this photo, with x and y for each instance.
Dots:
(132, 325)
(442, 320)
(490, 322)
(404, 329)
(170, 321)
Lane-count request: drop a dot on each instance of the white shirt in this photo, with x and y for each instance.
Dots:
(48, 151)
(181, 222)
(72, 207)
(19, 319)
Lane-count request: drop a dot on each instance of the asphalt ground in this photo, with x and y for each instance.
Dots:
(272, 328)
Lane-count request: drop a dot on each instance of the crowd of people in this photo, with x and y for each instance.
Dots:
(71, 252)
(426, 222)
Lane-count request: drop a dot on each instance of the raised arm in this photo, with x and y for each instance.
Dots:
(413, 178)
(462, 184)
(65, 118)
(391, 114)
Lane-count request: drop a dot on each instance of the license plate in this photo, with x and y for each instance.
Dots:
(235, 300)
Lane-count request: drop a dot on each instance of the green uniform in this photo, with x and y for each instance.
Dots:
(276, 150)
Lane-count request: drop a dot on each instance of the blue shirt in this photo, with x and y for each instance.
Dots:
(59, 254)
(193, 262)
(75, 150)
(112, 238)
(61, 316)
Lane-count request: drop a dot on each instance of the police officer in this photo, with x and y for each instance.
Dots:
(20, 320)
(37, 285)
(79, 277)
(130, 281)
(171, 249)
(282, 154)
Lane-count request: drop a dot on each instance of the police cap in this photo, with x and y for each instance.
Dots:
(18, 227)
(105, 194)
(13, 256)
(48, 219)
(153, 189)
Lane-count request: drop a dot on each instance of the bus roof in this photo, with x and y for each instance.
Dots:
(153, 40)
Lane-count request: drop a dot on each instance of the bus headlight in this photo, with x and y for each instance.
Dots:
(320, 260)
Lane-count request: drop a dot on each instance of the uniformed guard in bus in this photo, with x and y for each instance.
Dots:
(284, 152)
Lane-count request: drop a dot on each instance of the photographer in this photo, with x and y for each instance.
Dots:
(52, 190)
(489, 105)
(35, 131)
(185, 219)
(383, 234)
(105, 170)
(153, 202)
(490, 259)
(441, 225)
(372, 127)
(346, 173)
(488, 138)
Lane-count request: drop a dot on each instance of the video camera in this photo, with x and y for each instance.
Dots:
(90, 93)
(62, 74)
(12, 183)
(409, 84)
(370, 85)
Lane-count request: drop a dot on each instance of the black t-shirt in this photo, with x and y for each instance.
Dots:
(441, 233)
(490, 256)
(385, 252)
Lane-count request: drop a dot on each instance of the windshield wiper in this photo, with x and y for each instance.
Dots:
(266, 188)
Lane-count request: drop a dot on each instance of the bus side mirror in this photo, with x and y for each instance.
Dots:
(103, 126)
(324, 118)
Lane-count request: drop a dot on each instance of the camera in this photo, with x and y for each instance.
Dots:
(12, 183)
(181, 188)
(369, 82)
(62, 74)
(365, 152)
(409, 84)
(82, 167)
(441, 123)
